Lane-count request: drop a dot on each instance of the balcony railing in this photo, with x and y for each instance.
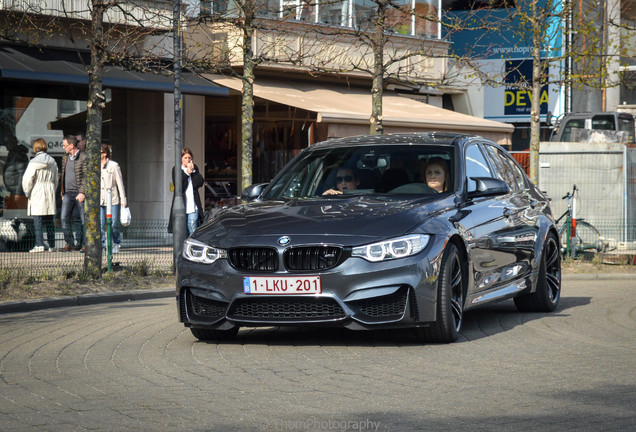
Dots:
(153, 14)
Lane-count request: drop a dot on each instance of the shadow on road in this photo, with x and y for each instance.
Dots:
(479, 323)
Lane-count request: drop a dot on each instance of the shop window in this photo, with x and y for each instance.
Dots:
(22, 120)
(69, 107)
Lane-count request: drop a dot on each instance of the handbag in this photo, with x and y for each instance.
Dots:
(125, 216)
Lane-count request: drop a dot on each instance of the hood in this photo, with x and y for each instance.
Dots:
(343, 221)
(43, 158)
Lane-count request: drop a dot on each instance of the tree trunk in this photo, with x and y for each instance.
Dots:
(247, 107)
(96, 103)
(379, 39)
(535, 109)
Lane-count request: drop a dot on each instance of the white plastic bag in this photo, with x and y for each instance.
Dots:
(124, 216)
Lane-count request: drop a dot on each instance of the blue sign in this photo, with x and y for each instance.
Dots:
(518, 96)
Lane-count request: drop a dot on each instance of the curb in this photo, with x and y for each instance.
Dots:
(598, 276)
(84, 300)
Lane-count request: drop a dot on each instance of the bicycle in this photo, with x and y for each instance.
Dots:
(580, 236)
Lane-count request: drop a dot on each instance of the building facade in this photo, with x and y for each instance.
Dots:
(322, 91)
(575, 83)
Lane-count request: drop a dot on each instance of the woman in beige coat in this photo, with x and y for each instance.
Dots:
(39, 183)
(111, 179)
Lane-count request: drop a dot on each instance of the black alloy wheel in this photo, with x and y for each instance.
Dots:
(548, 290)
(450, 301)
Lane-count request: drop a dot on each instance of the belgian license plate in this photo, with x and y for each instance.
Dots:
(282, 285)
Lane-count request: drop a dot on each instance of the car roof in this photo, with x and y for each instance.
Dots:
(434, 138)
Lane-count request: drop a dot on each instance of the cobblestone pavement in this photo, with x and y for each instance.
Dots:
(131, 366)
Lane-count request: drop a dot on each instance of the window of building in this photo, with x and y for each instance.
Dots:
(461, 5)
(67, 107)
(410, 17)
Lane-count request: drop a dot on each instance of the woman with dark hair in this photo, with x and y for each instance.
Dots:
(113, 180)
(39, 183)
(191, 181)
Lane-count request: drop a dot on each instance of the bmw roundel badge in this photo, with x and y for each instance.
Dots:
(284, 241)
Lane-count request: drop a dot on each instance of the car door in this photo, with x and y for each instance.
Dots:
(522, 209)
(490, 229)
(528, 210)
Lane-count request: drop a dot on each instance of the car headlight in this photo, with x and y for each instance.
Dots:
(392, 249)
(200, 252)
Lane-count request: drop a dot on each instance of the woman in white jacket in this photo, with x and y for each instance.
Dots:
(111, 179)
(39, 183)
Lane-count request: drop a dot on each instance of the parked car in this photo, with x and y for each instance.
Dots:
(390, 253)
(593, 126)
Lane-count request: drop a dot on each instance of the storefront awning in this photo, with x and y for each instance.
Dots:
(339, 104)
(64, 67)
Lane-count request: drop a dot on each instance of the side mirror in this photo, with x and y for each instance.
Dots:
(252, 192)
(548, 118)
(489, 186)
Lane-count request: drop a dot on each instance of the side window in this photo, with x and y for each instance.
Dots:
(567, 128)
(503, 168)
(476, 166)
(519, 177)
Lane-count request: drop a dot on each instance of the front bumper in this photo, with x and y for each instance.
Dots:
(356, 294)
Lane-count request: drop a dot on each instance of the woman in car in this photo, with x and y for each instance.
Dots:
(436, 174)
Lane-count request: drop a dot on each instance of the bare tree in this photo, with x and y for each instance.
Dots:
(377, 48)
(235, 42)
(116, 32)
(567, 46)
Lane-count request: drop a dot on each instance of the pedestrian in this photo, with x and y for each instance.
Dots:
(113, 180)
(81, 140)
(73, 194)
(39, 183)
(191, 181)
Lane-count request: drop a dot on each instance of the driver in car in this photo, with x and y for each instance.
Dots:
(346, 179)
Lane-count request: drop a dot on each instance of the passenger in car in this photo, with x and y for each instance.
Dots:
(346, 179)
(436, 174)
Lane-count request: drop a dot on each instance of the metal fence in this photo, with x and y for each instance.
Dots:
(605, 175)
(145, 244)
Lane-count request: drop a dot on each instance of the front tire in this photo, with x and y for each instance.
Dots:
(213, 335)
(450, 301)
(548, 293)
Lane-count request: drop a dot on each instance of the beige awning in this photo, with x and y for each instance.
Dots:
(351, 106)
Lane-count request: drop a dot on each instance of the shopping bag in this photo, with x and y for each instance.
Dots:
(124, 216)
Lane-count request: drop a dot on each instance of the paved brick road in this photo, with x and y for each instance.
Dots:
(130, 366)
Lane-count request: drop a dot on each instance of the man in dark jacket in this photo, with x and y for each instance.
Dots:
(73, 186)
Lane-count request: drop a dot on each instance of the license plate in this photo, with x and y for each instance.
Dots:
(282, 285)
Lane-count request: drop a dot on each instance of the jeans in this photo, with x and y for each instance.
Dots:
(72, 209)
(193, 222)
(116, 226)
(47, 221)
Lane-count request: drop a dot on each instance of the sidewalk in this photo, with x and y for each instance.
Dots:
(169, 291)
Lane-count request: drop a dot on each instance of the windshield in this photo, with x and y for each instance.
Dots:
(373, 169)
